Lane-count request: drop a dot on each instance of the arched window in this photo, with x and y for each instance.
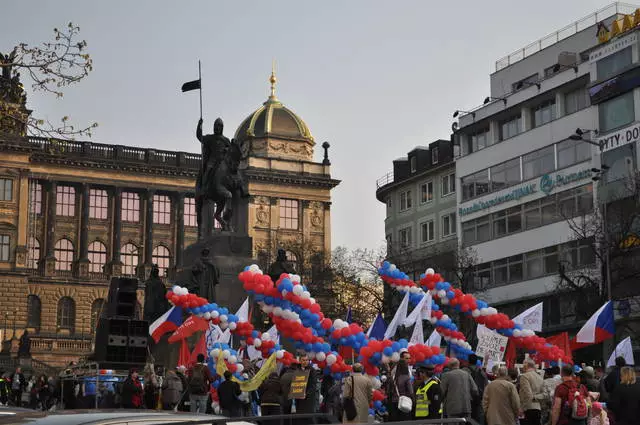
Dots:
(96, 312)
(97, 256)
(161, 257)
(34, 308)
(63, 252)
(34, 253)
(129, 256)
(66, 314)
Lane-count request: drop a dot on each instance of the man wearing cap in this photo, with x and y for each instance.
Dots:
(428, 394)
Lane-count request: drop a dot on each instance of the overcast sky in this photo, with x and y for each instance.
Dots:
(373, 78)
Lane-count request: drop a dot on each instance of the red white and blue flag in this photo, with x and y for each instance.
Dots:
(168, 322)
(599, 327)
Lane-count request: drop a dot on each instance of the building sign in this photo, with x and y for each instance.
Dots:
(613, 47)
(627, 135)
(619, 26)
(547, 184)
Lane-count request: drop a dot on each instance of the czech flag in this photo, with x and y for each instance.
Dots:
(168, 322)
(599, 327)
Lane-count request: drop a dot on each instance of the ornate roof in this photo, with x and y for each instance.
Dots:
(275, 120)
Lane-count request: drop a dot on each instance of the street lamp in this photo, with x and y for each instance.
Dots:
(579, 135)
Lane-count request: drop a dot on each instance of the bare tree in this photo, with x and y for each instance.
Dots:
(51, 67)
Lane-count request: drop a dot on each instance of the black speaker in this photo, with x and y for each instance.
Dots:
(121, 340)
(122, 297)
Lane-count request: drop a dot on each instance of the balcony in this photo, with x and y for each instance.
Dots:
(58, 344)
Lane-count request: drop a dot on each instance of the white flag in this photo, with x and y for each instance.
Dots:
(623, 349)
(531, 318)
(417, 337)
(426, 308)
(434, 339)
(416, 314)
(398, 318)
(224, 337)
(243, 311)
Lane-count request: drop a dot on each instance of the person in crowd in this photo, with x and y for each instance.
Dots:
(428, 394)
(171, 390)
(458, 391)
(332, 397)
(500, 401)
(132, 391)
(561, 413)
(228, 392)
(588, 379)
(481, 380)
(200, 380)
(624, 400)
(308, 404)
(398, 384)
(406, 356)
(550, 382)
(4, 389)
(613, 378)
(150, 387)
(42, 390)
(360, 388)
(531, 393)
(181, 371)
(598, 415)
(18, 384)
(270, 393)
(285, 383)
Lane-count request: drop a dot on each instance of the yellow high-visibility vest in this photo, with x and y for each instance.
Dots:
(423, 402)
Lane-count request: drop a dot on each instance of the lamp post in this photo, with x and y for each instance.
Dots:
(15, 313)
(6, 319)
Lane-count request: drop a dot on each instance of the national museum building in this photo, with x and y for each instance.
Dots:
(74, 214)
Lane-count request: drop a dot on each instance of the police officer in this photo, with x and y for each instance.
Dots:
(428, 394)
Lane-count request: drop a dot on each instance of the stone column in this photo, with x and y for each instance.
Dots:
(115, 265)
(179, 221)
(50, 259)
(82, 267)
(148, 235)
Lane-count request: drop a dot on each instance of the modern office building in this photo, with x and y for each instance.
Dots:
(73, 214)
(524, 182)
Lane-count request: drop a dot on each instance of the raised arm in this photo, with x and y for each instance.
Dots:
(199, 130)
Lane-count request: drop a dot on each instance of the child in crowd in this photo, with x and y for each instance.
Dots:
(598, 414)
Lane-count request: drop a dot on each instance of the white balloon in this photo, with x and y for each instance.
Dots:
(223, 318)
(475, 313)
(429, 271)
(331, 359)
(433, 320)
(215, 352)
(517, 333)
(313, 300)
(233, 326)
(233, 359)
(266, 336)
(279, 354)
(445, 317)
(492, 311)
(277, 311)
(257, 342)
(306, 294)
(393, 267)
(207, 315)
(395, 357)
(223, 325)
(297, 290)
(226, 354)
(442, 294)
(384, 378)
(376, 383)
(385, 359)
(321, 356)
(239, 367)
(215, 314)
(254, 268)
(444, 300)
(295, 278)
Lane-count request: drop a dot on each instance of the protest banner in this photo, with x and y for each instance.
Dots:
(299, 385)
(491, 345)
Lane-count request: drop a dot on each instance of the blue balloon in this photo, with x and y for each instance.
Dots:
(403, 343)
(396, 346)
(450, 295)
(388, 351)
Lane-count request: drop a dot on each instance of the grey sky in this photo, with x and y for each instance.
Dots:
(374, 78)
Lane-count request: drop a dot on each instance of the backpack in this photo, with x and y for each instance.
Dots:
(197, 384)
(576, 405)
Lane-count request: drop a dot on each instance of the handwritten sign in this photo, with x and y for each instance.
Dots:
(299, 385)
(491, 345)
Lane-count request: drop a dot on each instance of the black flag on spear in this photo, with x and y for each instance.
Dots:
(195, 85)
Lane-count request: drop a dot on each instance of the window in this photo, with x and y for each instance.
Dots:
(515, 268)
(6, 189)
(538, 162)
(478, 140)
(426, 192)
(613, 64)
(534, 264)
(161, 209)
(434, 155)
(33, 253)
(190, 217)
(482, 276)
(130, 207)
(289, 214)
(5, 247)
(405, 200)
(575, 101)
(129, 256)
(616, 112)
(505, 174)
(519, 85)
(449, 225)
(577, 254)
(98, 204)
(66, 314)
(405, 237)
(161, 257)
(551, 260)
(96, 311)
(65, 201)
(97, 256)
(389, 202)
(510, 127)
(389, 240)
(476, 184)
(34, 310)
(448, 184)
(544, 113)
(413, 162)
(427, 231)
(506, 222)
(572, 152)
(63, 252)
(35, 198)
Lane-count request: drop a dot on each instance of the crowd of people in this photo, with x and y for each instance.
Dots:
(570, 395)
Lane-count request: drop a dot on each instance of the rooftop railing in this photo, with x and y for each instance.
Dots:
(384, 180)
(568, 31)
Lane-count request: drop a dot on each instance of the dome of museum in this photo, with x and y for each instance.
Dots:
(273, 119)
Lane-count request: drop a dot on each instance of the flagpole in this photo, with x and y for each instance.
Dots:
(200, 78)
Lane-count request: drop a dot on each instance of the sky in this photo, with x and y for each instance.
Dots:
(374, 78)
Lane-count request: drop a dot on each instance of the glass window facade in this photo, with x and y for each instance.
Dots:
(544, 113)
(611, 65)
(98, 204)
(617, 112)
